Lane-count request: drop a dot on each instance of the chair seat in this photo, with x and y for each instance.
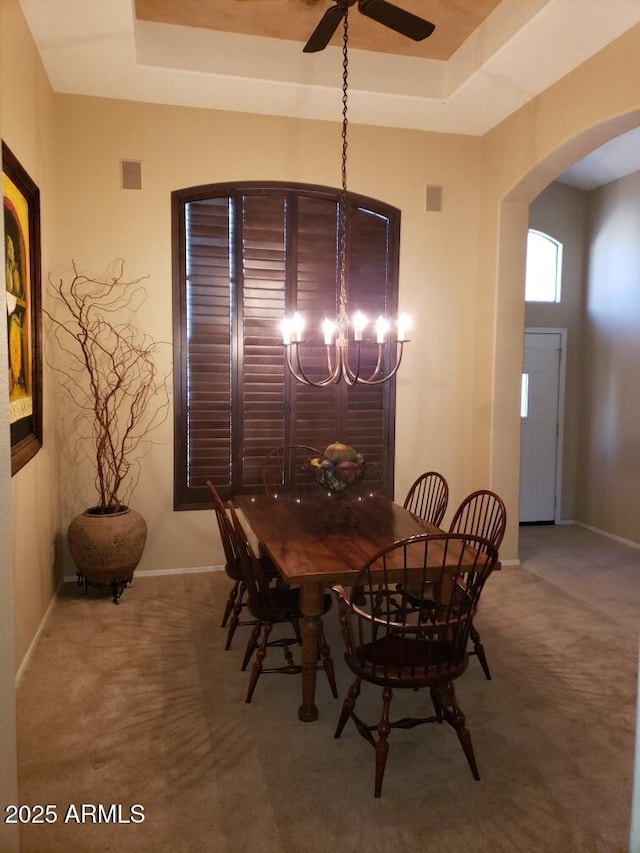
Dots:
(407, 663)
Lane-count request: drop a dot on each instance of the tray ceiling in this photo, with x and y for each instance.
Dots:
(295, 20)
(485, 60)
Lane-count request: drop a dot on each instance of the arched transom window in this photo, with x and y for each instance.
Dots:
(544, 268)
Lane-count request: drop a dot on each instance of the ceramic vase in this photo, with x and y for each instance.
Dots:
(107, 547)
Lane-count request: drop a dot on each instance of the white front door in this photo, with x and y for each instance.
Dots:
(540, 424)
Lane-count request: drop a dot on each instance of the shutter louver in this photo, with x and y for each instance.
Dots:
(261, 378)
(208, 382)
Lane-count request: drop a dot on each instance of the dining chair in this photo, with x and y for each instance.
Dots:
(273, 605)
(233, 567)
(394, 645)
(484, 514)
(428, 497)
(287, 468)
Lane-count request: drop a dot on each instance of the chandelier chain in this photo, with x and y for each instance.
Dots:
(343, 354)
(343, 320)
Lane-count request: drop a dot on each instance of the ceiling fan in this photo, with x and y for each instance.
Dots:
(403, 22)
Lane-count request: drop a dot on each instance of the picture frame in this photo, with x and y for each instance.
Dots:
(21, 203)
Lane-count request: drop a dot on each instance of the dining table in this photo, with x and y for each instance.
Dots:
(317, 539)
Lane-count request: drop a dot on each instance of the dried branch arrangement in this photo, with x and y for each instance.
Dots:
(109, 370)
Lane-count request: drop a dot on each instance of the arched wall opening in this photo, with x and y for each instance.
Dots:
(512, 226)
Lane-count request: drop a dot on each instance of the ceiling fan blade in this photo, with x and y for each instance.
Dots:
(403, 22)
(329, 22)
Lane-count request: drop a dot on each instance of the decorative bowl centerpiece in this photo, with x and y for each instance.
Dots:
(340, 468)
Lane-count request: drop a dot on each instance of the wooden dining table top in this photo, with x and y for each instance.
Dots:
(317, 538)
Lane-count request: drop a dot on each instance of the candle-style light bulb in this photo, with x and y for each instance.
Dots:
(297, 323)
(382, 327)
(285, 328)
(404, 323)
(359, 322)
(328, 328)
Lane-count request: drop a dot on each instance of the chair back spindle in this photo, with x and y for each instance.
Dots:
(287, 469)
(428, 497)
(482, 513)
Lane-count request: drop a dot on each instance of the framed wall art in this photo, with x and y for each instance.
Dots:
(21, 201)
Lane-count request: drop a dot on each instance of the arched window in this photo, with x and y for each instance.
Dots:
(244, 255)
(544, 268)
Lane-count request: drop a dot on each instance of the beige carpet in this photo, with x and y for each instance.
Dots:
(139, 704)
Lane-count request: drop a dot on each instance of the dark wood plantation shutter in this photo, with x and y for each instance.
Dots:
(244, 256)
(203, 379)
(261, 406)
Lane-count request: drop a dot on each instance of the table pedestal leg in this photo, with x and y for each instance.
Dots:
(311, 600)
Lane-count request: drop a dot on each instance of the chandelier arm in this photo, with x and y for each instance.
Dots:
(378, 367)
(385, 377)
(351, 376)
(292, 369)
(299, 373)
(346, 373)
(330, 368)
(342, 369)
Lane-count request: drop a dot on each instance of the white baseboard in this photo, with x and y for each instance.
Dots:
(613, 536)
(192, 570)
(30, 650)
(593, 529)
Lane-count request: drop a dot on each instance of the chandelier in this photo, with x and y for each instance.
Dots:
(344, 350)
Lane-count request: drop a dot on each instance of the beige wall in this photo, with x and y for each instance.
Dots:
(609, 483)
(8, 765)
(462, 270)
(28, 129)
(561, 211)
(28, 501)
(185, 147)
(596, 102)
